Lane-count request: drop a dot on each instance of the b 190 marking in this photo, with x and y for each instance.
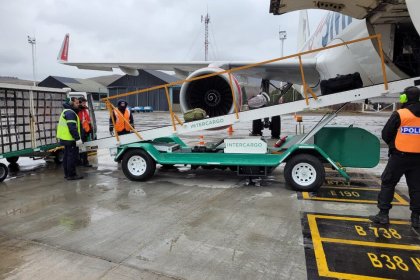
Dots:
(351, 195)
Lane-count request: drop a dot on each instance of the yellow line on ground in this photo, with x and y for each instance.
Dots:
(370, 244)
(353, 188)
(400, 199)
(348, 276)
(306, 196)
(335, 179)
(354, 219)
(320, 257)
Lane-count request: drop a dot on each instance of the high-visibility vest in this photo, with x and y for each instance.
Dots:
(408, 135)
(63, 131)
(84, 120)
(120, 124)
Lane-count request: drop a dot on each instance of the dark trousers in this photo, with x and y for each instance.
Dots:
(123, 132)
(400, 164)
(70, 159)
(84, 158)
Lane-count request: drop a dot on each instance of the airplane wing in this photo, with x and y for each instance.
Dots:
(356, 8)
(286, 70)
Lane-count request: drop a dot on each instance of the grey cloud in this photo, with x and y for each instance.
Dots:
(138, 30)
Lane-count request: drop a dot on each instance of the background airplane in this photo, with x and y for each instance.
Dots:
(397, 21)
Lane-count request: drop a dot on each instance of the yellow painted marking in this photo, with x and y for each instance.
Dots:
(353, 188)
(370, 244)
(400, 200)
(320, 257)
(355, 219)
(350, 200)
(321, 260)
(335, 179)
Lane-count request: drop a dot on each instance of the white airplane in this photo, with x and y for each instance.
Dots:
(398, 21)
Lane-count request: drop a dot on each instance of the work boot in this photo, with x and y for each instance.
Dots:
(415, 220)
(87, 164)
(380, 218)
(75, 177)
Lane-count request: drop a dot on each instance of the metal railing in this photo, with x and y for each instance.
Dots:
(306, 88)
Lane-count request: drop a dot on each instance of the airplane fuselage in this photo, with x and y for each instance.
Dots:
(362, 57)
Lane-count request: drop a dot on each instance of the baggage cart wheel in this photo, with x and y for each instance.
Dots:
(3, 171)
(304, 173)
(59, 156)
(12, 159)
(138, 165)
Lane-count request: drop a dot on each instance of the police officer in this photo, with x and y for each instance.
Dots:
(68, 132)
(402, 134)
(120, 114)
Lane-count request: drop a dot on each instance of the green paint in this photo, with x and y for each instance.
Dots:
(350, 146)
(29, 152)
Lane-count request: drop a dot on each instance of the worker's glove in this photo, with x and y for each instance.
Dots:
(79, 142)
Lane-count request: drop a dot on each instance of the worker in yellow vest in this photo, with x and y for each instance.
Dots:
(402, 134)
(120, 114)
(68, 132)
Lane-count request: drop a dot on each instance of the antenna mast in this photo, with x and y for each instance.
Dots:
(206, 20)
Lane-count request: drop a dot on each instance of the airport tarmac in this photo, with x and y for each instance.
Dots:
(201, 224)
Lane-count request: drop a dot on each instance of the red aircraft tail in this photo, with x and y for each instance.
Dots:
(63, 54)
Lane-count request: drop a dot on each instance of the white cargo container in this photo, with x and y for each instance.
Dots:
(28, 121)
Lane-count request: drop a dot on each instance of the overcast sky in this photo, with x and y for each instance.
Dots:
(138, 30)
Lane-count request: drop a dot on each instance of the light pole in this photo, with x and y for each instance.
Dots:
(32, 41)
(282, 37)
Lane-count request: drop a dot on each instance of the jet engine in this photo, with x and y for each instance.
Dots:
(212, 94)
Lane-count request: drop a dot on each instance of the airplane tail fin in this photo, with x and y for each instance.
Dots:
(64, 51)
(303, 29)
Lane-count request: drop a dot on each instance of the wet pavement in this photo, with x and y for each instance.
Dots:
(181, 224)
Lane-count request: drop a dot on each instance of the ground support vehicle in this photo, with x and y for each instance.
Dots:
(305, 155)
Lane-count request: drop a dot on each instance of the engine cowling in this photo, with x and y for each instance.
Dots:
(213, 94)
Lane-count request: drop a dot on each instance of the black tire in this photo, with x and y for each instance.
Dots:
(275, 127)
(138, 165)
(4, 171)
(12, 159)
(257, 127)
(59, 156)
(304, 173)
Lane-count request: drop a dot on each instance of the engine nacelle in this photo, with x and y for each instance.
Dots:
(213, 94)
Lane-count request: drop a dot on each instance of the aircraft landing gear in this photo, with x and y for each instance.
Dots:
(274, 124)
